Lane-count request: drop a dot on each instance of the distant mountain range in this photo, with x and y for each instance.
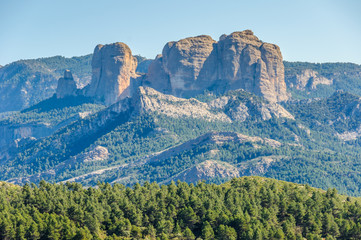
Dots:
(26, 82)
(202, 110)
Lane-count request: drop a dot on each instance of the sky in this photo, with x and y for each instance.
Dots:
(312, 31)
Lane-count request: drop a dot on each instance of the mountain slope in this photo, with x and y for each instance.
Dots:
(44, 118)
(157, 137)
(129, 129)
(338, 114)
(309, 80)
(26, 82)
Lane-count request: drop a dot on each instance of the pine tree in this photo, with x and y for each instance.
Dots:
(226, 233)
(207, 231)
(188, 234)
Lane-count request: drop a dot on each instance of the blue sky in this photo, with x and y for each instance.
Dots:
(314, 31)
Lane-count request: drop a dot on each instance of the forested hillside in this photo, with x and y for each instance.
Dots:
(244, 208)
(157, 137)
(26, 82)
(310, 80)
(43, 119)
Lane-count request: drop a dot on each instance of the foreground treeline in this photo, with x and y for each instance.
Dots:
(244, 208)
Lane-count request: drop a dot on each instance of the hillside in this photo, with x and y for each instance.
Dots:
(43, 119)
(133, 128)
(310, 80)
(339, 114)
(206, 110)
(158, 137)
(243, 208)
(26, 82)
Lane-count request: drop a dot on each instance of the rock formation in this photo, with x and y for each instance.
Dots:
(182, 62)
(208, 170)
(228, 108)
(113, 67)
(66, 86)
(237, 61)
(308, 79)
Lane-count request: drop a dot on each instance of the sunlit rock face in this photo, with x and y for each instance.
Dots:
(113, 67)
(237, 61)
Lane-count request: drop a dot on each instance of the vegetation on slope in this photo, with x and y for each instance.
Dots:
(53, 111)
(344, 76)
(244, 208)
(26, 82)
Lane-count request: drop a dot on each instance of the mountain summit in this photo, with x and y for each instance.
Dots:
(113, 67)
(237, 61)
(190, 66)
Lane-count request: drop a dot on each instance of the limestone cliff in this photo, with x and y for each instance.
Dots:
(237, 61)
(308, 79)
(235, 106)
(113, 67)
(181, 62)
(66, 85)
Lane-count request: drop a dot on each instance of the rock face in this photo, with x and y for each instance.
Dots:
(180, 64)
(208, 170)
(97, 153)
(237, 61)
(248, 109)
(226, 109)
(308, 79)
(113, 67)
(66, 85)
(151, 100)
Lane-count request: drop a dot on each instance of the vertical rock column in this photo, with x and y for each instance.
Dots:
(113, 67)
(66, 85)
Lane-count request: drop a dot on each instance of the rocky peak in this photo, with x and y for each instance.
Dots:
(246, 35)
(180, 64)
(250, 64)
(66, 85)
(113, 67)
(237, 61)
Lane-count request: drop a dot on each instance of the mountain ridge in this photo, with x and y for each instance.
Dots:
(146, 135)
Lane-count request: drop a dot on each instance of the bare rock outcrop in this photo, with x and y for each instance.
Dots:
(308, 79)
(182, 62)
(237, 61)
(208, 170)
(150, 100)
(66, 85)
(113, 67)
(226, 108)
